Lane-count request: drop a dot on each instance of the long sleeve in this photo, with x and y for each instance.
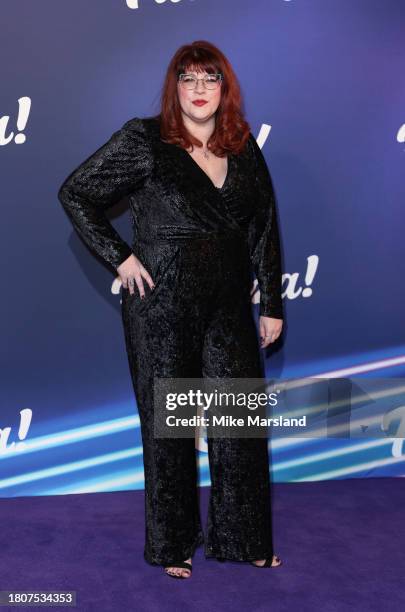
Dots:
(101, 181)
(263, 238)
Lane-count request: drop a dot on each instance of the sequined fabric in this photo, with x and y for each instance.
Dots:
(201, 244)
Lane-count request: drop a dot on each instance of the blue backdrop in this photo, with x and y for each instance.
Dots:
(322, 82)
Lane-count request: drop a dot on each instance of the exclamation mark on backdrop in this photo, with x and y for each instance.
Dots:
(310, 274)
(24, 107)
(25, 422)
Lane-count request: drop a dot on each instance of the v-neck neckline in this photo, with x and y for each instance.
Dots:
(198, 167)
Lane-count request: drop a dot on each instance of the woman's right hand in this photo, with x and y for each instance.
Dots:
(131, 272)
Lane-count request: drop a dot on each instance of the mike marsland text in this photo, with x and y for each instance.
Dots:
(230, 421)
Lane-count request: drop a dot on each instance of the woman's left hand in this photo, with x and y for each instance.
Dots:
(270, 329)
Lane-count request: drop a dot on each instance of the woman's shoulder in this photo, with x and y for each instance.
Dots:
(251, 143)
(249, 152)
(254, 150)
(141, 125)
(137, 135)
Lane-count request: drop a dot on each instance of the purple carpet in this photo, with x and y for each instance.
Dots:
(342, 543)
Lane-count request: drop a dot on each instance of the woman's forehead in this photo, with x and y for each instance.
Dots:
(198, 70)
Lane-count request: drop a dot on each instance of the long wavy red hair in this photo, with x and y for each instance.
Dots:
(231, 129)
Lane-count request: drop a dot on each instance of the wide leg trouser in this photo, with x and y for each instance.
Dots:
(198, 322)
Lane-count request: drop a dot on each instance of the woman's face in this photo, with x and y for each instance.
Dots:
(188, 97)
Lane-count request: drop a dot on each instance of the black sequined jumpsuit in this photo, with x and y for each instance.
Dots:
(200, 244)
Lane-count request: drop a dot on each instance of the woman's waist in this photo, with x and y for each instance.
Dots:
(172, 233)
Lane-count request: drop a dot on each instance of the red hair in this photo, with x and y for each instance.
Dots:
(231, 129)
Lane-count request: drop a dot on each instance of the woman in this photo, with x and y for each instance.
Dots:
(204, 217)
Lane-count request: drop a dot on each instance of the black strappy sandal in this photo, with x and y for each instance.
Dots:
(268, 563)
(184, 564)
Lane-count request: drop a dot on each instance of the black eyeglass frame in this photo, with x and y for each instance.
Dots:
(196, 79)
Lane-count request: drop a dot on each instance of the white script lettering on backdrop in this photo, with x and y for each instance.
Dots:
(291, 286)
(134, 4)
(24, 107)
(25, 422)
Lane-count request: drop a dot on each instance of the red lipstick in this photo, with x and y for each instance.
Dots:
(199, 102)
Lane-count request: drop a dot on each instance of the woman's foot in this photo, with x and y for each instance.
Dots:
(274, 562)
(180, 572)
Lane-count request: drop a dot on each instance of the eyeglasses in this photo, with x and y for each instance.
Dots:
(211, 81)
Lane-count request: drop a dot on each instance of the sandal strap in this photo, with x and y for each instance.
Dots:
(184, 564)
(268, 562)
